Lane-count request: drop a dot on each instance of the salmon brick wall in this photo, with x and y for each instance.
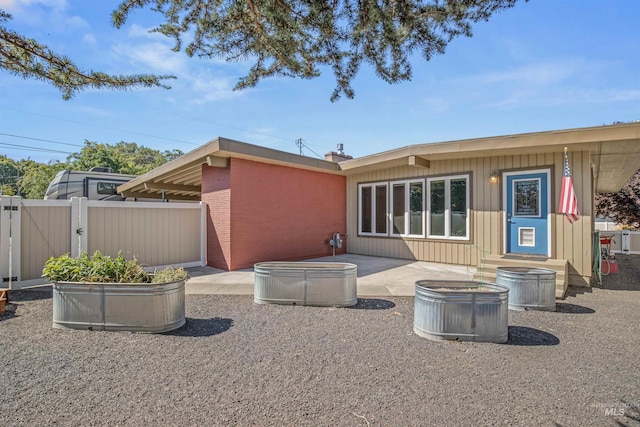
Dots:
(275, 213)
(216, 193)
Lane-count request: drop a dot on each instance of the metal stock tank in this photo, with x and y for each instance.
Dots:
(306, 283)
(529, 288)
(461, 311)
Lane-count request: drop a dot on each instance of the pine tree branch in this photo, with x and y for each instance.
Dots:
(27, 58)
(297, 37)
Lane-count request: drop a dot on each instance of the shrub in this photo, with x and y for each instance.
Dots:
(101, 268)
(169, 275)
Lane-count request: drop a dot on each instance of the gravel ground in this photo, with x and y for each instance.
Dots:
(237, 363)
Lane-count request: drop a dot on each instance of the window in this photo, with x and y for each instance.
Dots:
(525, 201)
(373, 209)
(399, 208)
(107, 188)
(407, 208)
(448, 216)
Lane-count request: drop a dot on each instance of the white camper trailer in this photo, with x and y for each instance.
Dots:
(96, 184)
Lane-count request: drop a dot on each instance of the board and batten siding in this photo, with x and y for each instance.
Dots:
(568, 241)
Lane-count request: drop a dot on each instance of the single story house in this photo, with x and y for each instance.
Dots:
(480, 202)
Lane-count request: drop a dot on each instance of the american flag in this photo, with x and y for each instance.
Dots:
(568, 201)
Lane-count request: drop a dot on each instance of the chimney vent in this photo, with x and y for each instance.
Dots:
(337, 157)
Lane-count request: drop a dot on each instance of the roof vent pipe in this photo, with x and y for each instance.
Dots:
(341, 149)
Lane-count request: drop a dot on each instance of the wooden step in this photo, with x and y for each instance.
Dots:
(486, 270)
(502, 261)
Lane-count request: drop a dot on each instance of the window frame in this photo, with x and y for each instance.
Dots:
(407, 208)
(447, 207)
(373, 186)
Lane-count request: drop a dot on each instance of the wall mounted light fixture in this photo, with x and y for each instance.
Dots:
(493, 178)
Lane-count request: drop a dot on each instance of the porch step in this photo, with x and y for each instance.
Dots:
(487, 269)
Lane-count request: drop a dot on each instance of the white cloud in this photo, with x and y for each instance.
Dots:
(136, 31)
(51, 14)
(154, 55)
(437, 105)
(89, 39)
(16, 5)
(9, 5)
(73, 21)
(209, 88)
(540, 74)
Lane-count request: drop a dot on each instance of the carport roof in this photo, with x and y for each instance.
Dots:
(614, 150)
(181, 179)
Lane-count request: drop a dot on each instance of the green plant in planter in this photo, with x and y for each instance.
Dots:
(100, 268)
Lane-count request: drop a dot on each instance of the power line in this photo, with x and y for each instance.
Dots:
(101, 126)
(49, 150)
(43, 140)
(153, 136)
(31, 148)
(144, 134)
(300, 144)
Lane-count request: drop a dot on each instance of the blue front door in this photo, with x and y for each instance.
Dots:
(527, 210)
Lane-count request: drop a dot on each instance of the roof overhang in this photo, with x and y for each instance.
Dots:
(614, 151)
(181, 179)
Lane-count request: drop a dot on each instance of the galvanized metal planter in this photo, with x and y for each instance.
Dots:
(148, 307)
(529, 288)
(461, 310)
(306, 283)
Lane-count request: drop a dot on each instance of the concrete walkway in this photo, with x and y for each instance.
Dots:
(376, 276)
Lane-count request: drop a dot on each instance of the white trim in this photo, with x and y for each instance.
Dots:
(546, 171)
(373, 186)
(520, 241)
(407, 207)
(10, 230)
(447, 207)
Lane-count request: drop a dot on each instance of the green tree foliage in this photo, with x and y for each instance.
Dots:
(27, 58)
(123, 157)
(9, 176)
(296, 38)
(37, 176)
(624, 206)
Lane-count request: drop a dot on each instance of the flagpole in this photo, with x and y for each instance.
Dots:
(565, 157)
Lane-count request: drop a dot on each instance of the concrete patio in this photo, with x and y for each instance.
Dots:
(376, 276)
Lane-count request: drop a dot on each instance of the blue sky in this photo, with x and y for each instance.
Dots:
(543, 65)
